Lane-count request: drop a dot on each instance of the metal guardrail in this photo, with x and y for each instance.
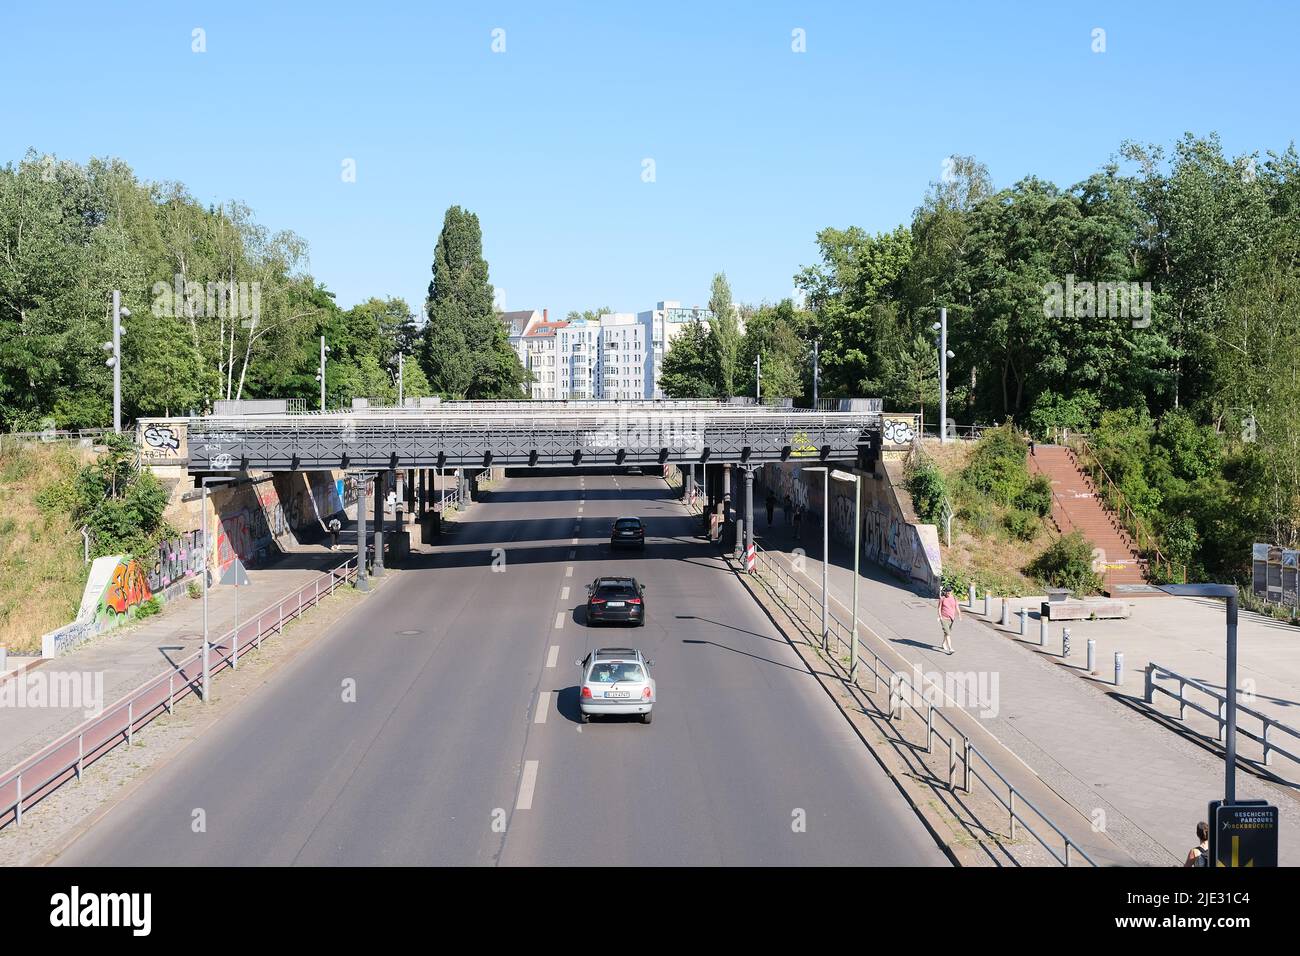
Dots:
(902, 693)
(1151, 688)
(16, 439)
(39, 775)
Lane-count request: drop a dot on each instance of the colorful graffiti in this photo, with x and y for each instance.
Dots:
(277, 514)
(176, 560)
(127, 590)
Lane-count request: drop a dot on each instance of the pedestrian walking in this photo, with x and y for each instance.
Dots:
(1199, 855)
(787, 505)
(949, 614)
(771, 507)
(334, 527)
(798, 520)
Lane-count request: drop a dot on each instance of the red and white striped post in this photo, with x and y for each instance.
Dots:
(751, 557)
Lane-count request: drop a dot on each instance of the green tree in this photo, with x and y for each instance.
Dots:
(466, 350)
(691, 367)
(726, 333)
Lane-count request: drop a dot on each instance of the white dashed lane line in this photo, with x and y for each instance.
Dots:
(568, 572)
(552, 655)
(564, 594)
(559, 620)
(543, 707)
(572, 553)
(526, 786)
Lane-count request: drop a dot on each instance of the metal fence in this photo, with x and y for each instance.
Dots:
(801, 602)
(12, 440)
(1154, 673)
(39, 775)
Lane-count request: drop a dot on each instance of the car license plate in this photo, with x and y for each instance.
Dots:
(615, 603)
(617, 693)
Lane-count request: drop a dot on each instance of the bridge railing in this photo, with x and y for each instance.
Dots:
(805, 606)
(65, 759)
(1155, 673)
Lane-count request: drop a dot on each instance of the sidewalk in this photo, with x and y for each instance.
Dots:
(125, 658)
(1095, 751)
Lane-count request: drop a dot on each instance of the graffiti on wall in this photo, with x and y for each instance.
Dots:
(162, 441)
(127, 589)
(177, 559)
(901, 430)
(270, 521)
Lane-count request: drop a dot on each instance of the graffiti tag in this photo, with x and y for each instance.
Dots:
(161, 437)
(128, 588)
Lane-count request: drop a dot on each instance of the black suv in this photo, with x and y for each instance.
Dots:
(616, 599)
(627, 531)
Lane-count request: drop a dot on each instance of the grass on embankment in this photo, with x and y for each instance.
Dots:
(42, 571)
(983, 550)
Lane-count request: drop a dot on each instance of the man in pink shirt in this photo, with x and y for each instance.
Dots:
(949, 612)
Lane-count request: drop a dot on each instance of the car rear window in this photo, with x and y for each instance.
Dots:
(624, 523)
(618, 592)
(608, 672)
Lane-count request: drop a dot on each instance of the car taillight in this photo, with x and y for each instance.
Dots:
(597, 600)
(586, 693)
(633, 600)
(646, 693)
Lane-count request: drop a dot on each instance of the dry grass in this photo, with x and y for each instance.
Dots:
(42, 573)
(994, 560)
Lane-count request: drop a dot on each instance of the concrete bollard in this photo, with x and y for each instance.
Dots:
(1024, 620)
(1065, 642)
(1119, 668)
(1006, 609)
(1092, 655)
(4, 658)
(986, 603)
(1042, 630)
(971, 602)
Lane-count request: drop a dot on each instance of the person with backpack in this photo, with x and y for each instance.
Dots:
(1199, 855)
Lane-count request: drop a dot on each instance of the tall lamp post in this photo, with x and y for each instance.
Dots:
(826, 541)
(856, 481)
(114, 360)
(320, 376)
(941, 327)
(1229, 593)
(203, 518)
(758, 378)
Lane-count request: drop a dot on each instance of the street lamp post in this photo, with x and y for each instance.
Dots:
(1229, 593)
(816, 370)
(320, 376)
(856, 481)
(826, 541)
(114, 360)
(942, 328)
(400, 392)
(758, 379)
(203, 519)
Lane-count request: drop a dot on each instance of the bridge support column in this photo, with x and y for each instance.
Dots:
(424, 491)
(726, 493)
(688, 486)
(363, 581)
(396, 477)
(381, 495)
(410, 491)
(749, 516)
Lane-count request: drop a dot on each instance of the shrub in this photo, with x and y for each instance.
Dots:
(1022, 525)
(997, 466)
(977, 518)
(1067, 564)
(193, 590)
(148, 608)
(1036, 497)
(928, 490)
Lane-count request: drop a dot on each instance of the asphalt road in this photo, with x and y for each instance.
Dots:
(463, 746)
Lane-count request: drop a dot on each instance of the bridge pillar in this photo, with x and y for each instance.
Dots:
(726, 492)
(363, 582)
(749, 513)
(424, 491)
(381, 496)
(688, 486)
(410, 491)
(397, 476)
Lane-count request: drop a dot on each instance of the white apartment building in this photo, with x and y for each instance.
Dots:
(619, 356)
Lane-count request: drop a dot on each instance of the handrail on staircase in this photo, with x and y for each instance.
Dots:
(1077, 445)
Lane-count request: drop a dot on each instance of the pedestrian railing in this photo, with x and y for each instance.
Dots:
(1155, 673)
(805, 605)
(12, 440)
(39, 775)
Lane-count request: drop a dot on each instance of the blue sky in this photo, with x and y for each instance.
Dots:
(755, 147)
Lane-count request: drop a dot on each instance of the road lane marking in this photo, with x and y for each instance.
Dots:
(543, 706)
(527, 785)
(568, 572)
(559, 620)
(572, 553)
(564, 594)
(574, 541)
(552, 655)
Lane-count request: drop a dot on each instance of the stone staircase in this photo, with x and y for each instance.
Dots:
(1077, 507)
